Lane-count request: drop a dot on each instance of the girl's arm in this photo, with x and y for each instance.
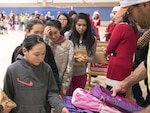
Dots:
(69, 69)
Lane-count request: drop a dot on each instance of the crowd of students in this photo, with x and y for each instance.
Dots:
(10, 21)
(46, 60)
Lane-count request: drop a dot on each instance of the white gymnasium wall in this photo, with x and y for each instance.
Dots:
(17, 1)
(45, 0)
(86, 1)
(55, 1)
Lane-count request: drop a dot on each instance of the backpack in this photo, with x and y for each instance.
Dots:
(83, 99)
(73, 109)
(123, 104)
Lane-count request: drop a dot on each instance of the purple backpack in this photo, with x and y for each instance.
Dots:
(73, 109)
(123, 104)
(83, 99)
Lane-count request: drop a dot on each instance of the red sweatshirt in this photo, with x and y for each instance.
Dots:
(123, 42)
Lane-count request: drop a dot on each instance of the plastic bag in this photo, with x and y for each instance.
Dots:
(10, 103)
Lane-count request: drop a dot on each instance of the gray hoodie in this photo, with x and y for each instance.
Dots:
(31, 87)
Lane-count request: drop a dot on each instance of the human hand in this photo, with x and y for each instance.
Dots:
(106, 34)
(47, 30)
(65, 110)
(62, 93)
(118, 89)
(82, 58)
(6, 109)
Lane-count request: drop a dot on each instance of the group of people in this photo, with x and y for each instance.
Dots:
(20, 19)
(125, 38)
(129, 21)
(139, 12)
(43, 67)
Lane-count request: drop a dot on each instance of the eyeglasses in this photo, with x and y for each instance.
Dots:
(130, 10)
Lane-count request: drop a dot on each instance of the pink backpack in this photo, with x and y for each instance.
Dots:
(123, 104)
(83, 99)
(73, 109)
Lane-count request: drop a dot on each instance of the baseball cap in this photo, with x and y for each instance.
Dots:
(125, 5)
(116, 8)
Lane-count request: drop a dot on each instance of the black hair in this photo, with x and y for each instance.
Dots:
(29, 26)
(31, 23)
(37, 16)
(44, 21)
(31, 40)
(130, 23)
(72, 12)
(88, 38)
(67, 27)
(54, 23)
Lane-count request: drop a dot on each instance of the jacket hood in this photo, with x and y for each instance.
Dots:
(61, 39)
(24, 62)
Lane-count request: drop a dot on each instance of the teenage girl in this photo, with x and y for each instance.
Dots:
(83, 40)
(30, 82)
(120, 51)
(65, 23)
(36, 26)
(63, 51)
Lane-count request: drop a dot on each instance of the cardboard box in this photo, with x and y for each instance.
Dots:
(99, 63)
(100, 55)
(97, 67)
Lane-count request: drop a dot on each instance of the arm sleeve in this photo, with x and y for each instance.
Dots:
(53, 94)
(49, 58)
(8, 85)
(114, 39)
(69, 69)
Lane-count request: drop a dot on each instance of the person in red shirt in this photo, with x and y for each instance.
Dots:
(120, 49)
(111, 25)
(109, 30)
(96, 22)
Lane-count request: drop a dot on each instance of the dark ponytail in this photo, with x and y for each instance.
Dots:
(130, 23)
